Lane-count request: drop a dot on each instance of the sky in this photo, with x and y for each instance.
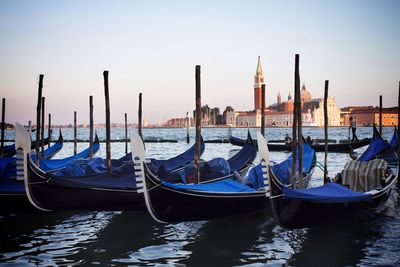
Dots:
(152, 47)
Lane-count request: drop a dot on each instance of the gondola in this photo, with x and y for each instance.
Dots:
(167, 202)
(12, 191)
(332, 147)
(349, 198)
(96, 189)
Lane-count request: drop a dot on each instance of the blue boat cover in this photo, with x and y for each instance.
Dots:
(376, 146)
(225, 186)
(244, 156)
(215, 168)
(328, 193)
(393, 142)
(11, 186)
(177, 161)
(283, 170)
(52, 164)
(103, 180)
(82, 167)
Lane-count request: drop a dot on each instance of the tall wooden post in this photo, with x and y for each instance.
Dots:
(49, 130)
(380, 115)
(3, 126)
(108, 124)
(398, 135)
(140, 116)
(42, 127)
(299, 129)
(75, 134)
(126, 133)
(187, 128)
(295, 119)
(198, 126)
(263, 109)
(91, 126)
(326, 131)
(38, 110)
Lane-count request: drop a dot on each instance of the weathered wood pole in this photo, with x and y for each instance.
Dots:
(3, 126)
(326, 131)
(108, 124)
(187, 127)
(75, 134)
(140, 116)
(263, 109)
(380, 114)
(91, 126)
(38, 110)
(299, 130)
(198, 126)
(398, 135)
(42, 127)
(295, 119)
(126, 133)
(49, 130)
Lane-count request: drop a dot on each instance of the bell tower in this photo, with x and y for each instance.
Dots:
(258, 81)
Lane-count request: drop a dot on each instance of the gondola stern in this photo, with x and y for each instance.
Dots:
(23, 144)
(139, 157)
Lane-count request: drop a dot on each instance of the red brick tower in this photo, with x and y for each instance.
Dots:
(258, 81)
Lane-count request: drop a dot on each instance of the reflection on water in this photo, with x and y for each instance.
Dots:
(133, 238)
(50, 244)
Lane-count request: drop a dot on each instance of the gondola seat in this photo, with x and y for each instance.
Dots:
(361, 176)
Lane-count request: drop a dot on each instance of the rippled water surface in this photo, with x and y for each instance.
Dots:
(133, 238)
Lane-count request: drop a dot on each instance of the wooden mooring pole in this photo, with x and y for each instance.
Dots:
(295, 118)
(299, 127)
(75, 133)
(126, 133)
(38, 110)
(398, 135)
(263, 109)
(380, 115)
(3, 126)
(326, 131)
(42, 127)
(91, 126)
(49, 130)
(187, 128)
(198, 125)
(140, 116)
(108, 124)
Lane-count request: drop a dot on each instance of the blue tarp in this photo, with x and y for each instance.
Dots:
(328, 193)
(174, 163)
(11, 186)
(52, 164)
(245, 155)
(283, 170)
(82, 167)
(376, 146)
(393, 142)
(226, 186)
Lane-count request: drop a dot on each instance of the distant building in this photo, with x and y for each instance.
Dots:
(281, 113)
(258, 81)
(369, 115)
(177, 122)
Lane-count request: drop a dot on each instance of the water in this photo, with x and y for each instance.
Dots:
(133, 238)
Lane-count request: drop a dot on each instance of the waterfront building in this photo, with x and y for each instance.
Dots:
(368, 115)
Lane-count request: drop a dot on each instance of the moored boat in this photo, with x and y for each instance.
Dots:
(360, 192)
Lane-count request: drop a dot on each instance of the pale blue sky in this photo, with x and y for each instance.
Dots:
(153, 46)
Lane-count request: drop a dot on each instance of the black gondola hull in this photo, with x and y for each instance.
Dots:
(295, 214)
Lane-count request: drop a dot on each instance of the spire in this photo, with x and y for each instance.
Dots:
(303, 87)
(259, 68)
(289, 97)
